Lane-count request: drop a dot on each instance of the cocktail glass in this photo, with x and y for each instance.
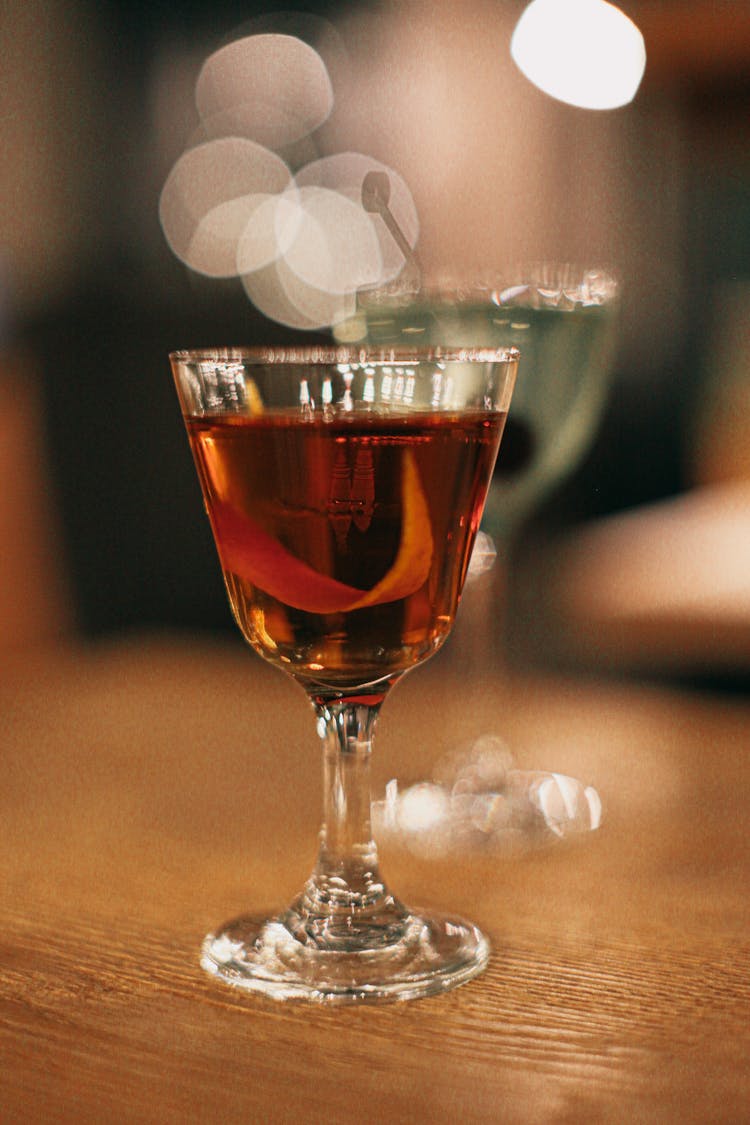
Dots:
(345, 489)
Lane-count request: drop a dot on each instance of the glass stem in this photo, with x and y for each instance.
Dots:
(347, 850)
(345, 894)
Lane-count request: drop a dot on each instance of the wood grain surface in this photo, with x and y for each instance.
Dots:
(153, 788)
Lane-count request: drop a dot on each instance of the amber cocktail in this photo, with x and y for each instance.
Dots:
(345, 488)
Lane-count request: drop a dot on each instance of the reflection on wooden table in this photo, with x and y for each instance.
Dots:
(151, 788)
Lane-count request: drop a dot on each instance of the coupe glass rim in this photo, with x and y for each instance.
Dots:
(325, 355)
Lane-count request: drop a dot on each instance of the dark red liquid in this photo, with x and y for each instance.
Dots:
(345, 540)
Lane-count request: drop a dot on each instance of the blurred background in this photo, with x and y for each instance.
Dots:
(639, 559)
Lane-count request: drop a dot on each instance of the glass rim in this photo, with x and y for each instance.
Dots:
(550, 281)
(330, 356)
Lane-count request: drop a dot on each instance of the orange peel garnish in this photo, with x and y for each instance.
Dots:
(412, 563)
(255, 556)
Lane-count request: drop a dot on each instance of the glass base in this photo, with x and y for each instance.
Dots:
(427, 955)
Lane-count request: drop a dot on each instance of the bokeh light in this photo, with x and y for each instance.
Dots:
(587, 53)
(210, 197)
(481, 803)
(335, 248)
(268, 232)
(303, 246)
(273, 89)
(282, 296)
(345, 173)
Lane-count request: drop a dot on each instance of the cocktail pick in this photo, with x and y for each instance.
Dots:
(376, 194)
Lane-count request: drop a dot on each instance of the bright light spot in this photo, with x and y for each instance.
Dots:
(335, 248)
(225, 950)
(566, 805)
(273, 89)
(552, 805)
(508, 295)
(594, 802)
(422, 807)
(569, 792)
(267, 234)
(483, 556)
(282, 296)
(391, 802)
(230, 206)
(265, 290)
(212, 250)
(345, 173)
(584, 52)
(210, 196)
(319, 307)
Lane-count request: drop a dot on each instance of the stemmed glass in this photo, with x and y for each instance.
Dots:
(345, 488)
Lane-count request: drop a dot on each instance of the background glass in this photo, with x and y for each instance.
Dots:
(561, 317)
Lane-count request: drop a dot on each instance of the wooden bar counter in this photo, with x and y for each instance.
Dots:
(154, 787)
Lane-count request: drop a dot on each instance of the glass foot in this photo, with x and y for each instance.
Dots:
(428, 955)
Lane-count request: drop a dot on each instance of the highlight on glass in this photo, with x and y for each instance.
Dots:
(345, 489)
